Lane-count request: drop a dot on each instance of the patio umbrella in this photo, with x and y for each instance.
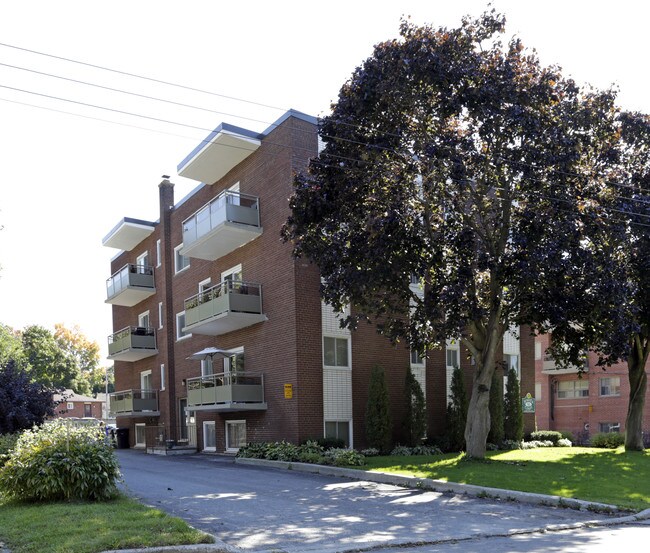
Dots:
(210, 353)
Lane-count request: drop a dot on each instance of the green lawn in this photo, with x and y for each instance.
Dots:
(600, 475)
(90, 527)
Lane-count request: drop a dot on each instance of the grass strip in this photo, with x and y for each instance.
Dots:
(84, 527)
(615, 477)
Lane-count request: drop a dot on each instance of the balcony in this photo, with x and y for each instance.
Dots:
(226, 392)
(134, 403)
(224, 224)
(230, 305)
(551, 367)
(130, 285)
(132, 344)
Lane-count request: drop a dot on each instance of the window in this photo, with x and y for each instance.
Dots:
(162, 376)
(416, 358)
(335, 352)
(206, 367)
(88, 410)
(181, 262)
(209, 436)
(142, 260)
(180, 324)
(70, 406)
(204, 285)
(232, 274)
(235, 363)
(158, 254)
(538, 351)
(339, 430)
(160, 315)
(568, 389)
(143, 320)
(235, 435)
(140, 434)
(145, 380)
(609, 426)
(610, 386)
(452, 358)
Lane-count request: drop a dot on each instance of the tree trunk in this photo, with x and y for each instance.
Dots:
(638, 384)
(478, 413)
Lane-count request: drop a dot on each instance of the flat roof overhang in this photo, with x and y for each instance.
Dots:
(222, 150)
(128, 233)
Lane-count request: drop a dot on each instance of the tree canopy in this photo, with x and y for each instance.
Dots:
(460, 160)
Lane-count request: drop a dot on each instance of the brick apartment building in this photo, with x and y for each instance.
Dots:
(212, 272)
(584, 405)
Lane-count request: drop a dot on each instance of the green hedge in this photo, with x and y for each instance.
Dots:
(610, 440)
(546, 436)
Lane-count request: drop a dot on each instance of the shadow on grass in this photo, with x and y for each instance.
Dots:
(614, 477)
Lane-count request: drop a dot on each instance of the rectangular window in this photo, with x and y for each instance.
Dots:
(181, 262)
(335, 352)
(452, 358)
(143, 320)
(70, 406)
(609, 426)
(233, 274)
(235, 435)
(145, 380)
(610, 386)
(206, 367)
(235, 363)
(160, 315)
(339, 430)
(416, 358)
(569, 389)
(209, 436)
(162, 376)
(143, 260)
(180, 324)
(140, 434)
(158, 254)
(88, 410)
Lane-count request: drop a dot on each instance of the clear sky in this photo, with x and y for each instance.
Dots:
(75, 159)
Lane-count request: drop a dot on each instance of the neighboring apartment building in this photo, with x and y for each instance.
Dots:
(584, 403)
(212, 275)
(71, 405)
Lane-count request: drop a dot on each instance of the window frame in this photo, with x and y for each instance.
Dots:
(617, 387)
(177, 258)
(572, 394)
(348, 359)
(179, 328)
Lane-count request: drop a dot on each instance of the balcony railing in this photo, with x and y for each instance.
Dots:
(228, 306)
(130, 285)
(224, 224)
(226, 392)
(129, 403)
(132, 344)
(550, 366)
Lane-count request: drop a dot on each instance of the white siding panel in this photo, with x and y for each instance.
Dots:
(331, 321)
(337, 393)
(511, 341)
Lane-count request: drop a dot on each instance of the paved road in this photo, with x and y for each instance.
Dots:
(262, 509)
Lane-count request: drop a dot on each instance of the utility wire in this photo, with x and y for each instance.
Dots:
(168, 83)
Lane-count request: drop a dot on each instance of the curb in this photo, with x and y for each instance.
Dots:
(450, 487)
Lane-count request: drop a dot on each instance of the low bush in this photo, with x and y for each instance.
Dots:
(534, 444)
(402, 450)
(344, 457)
(60, 461)
(564, 442)
(370, 452)
(546, 435)
(7, 443)
(308, 452)
(610, 440)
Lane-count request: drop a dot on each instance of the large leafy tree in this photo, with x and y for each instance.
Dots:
(49, 364)
(620, 330)
(455, 158)
(22, 403)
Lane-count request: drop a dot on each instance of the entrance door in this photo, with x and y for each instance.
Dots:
(209, 436)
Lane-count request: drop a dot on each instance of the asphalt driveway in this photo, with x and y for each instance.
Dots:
(265, 509)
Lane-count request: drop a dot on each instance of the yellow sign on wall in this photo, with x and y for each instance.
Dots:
(288, 391)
